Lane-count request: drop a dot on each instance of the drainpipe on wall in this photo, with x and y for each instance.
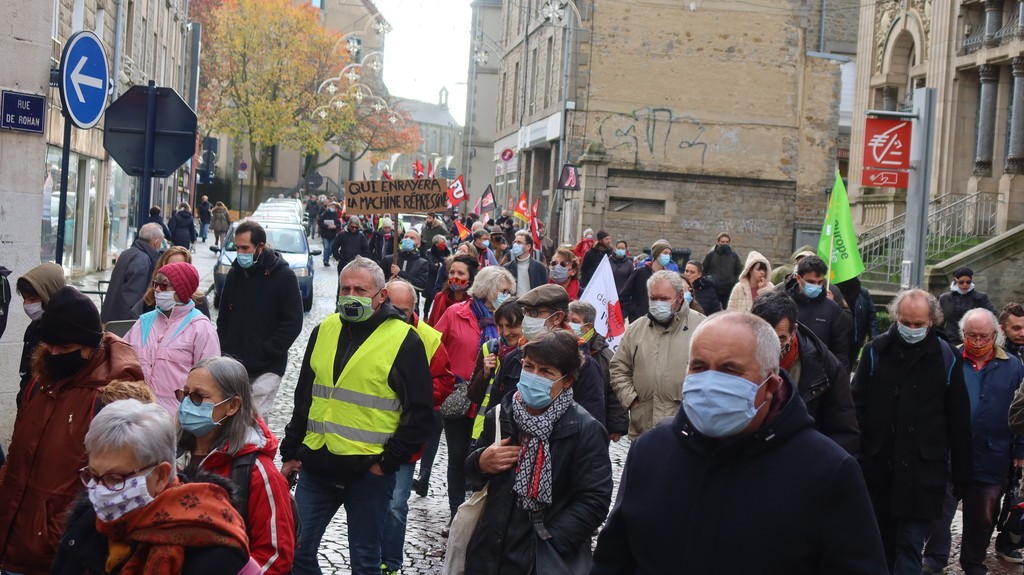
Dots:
(821, 31)
(118, 49)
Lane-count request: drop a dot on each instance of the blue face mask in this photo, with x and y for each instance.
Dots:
(687, 297)
(663, 259)
(486, 243)
(577, 328)
(719, 404)
(812, 291)
(620, 253)
(198, 419)
(502, 298)
(517, 250)
(407, 245)
(245, 260)
(536, 389)
(911, 335)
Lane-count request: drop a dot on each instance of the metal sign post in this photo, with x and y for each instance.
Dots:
(243, 173)
(84, 79)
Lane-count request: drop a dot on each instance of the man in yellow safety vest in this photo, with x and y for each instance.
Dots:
(362, 409)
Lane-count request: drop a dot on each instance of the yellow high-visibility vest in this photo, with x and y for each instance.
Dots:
(478, 421)
(431, 339)
(359, 412)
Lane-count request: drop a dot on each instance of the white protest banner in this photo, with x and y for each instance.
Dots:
(601, 294)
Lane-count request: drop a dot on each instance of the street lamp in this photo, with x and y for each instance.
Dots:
(554, 11)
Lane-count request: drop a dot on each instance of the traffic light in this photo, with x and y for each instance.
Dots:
(207, 161)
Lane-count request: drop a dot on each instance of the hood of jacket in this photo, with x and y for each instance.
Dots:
(45, 280)
(789, 419)
(802, 249)
(183, 217)
(754, 258)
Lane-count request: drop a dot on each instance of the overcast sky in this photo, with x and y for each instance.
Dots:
(428, 49)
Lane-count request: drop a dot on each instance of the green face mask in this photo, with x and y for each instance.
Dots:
(355, 308)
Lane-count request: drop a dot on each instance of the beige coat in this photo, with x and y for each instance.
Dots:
(649, 367)
(741, 298)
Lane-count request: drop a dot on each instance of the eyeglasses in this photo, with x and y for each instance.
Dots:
(112, 481)
(978, 338)
(196, 397)
(563, 264)
(162, 286)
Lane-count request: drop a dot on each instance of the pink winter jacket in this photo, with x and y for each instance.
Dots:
(168, 347)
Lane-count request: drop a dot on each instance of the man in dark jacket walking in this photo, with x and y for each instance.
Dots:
(724, 266)
(529, 272)
(182, 227)
(817, 311)
(410, 266)
(914, 414)
(260, 313)
(1011, 323)
(715, 453)
(329, 223)
(995, 376)
(205, 211)
(132, 274)
(962, 296)
(350, 243)
(821, 380)
(593, 257)
(156, 218)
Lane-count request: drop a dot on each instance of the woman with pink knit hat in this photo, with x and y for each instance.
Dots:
(175, 336)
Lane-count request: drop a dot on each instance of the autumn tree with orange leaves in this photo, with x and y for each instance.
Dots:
(262, 62)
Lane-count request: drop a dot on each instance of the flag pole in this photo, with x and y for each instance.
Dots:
(830, 226)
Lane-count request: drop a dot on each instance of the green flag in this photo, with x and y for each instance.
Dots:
(838, 239)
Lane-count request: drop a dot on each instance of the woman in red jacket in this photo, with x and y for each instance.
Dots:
(461, 270)
(219, 425)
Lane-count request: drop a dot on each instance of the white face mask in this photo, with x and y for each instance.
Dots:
(165, 300)
(660, 310)
(112, 505)
(534, 327)
(34, 311)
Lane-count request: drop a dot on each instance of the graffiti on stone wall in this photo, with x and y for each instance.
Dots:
(654, 135)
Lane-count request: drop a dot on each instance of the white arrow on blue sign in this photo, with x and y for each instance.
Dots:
(84, 79)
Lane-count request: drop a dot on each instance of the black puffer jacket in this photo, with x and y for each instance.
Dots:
(825, 387)
(684, 499)
(257, 334)
(347, 245)
(183, 229)
(954, 305)
(412, 268)
(706, 295)
(83, 550)
(503, 543)
(616, 417)
(825, 318)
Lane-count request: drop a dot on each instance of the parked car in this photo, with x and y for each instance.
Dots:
(288, 240)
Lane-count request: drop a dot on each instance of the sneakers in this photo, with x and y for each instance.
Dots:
(385, 571)
(1010, 555)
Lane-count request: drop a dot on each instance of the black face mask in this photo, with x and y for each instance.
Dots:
(64, 365)
(723, 249)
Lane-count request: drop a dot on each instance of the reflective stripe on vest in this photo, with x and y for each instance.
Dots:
(478, 421)
(358, 413)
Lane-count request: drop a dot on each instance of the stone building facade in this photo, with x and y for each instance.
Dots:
(686, 119)
(482, 96)
(972, 53)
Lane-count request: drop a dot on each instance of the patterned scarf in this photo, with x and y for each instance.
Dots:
(182, 516)
(533, 471)
(484, 319)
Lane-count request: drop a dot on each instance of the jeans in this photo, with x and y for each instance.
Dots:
(203, 231)
(392, 548)
(264, 391)
(327, 250)
(457, 431)
(366, 498)
(430, 450)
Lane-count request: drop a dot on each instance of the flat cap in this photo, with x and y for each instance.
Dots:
(551, 296)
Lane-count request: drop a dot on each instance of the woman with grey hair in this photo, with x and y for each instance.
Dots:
(139, 516)
(221, 433)
(465, 327)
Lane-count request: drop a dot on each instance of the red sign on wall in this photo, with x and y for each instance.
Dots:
(887, 144)
(885, 178)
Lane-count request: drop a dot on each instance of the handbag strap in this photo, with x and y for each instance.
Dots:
(537, 517)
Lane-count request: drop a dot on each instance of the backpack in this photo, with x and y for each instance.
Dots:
(948, 358)
(1011, 514)
(241, 476)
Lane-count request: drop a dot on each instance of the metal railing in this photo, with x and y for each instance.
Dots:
(973, 42)
(1009, 29)
(952, 226)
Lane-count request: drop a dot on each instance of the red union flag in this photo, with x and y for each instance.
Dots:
(457, 191)
(887, 144)
(522, 208)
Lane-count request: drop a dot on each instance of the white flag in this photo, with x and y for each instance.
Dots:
(602, 294)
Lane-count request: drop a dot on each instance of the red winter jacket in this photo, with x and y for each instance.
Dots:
(271, 527)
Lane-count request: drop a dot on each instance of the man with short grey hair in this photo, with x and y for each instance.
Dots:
(914, 415)
(992, 378)
(644, 368)
(132, 274)
(742, 429)
(363, 407)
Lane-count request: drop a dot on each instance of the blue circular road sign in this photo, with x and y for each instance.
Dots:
(84, 79)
